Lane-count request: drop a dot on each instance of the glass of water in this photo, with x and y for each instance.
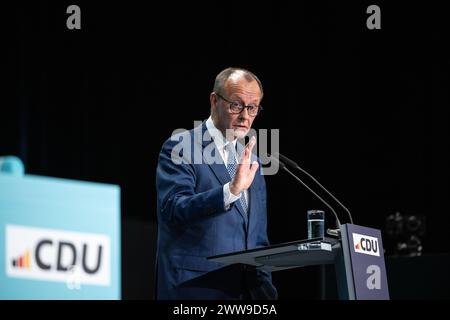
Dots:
(316, 223)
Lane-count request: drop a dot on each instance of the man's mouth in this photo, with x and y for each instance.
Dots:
(238, 126)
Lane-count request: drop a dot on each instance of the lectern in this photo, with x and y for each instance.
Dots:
(357, 255)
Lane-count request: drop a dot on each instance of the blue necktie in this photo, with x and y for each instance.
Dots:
(231, 167)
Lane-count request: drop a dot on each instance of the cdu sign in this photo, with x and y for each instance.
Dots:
(49, 255)
(59, 239)
(366, 245)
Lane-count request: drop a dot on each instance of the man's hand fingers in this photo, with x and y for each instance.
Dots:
(248, 150)
(250, 144)
(255, 166)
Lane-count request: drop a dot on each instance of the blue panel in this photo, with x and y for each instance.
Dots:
(72, 216)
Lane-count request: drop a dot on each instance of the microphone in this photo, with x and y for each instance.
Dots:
(283, 167)
(296, 166)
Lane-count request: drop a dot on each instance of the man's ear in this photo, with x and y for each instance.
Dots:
(213, 100)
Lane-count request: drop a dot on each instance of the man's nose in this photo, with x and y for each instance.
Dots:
(244, 114)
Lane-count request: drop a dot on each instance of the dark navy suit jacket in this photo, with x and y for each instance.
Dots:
(193, 225)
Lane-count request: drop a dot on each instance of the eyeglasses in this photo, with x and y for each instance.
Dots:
(236, 107)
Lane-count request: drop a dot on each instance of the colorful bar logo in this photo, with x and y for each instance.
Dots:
(23, 261)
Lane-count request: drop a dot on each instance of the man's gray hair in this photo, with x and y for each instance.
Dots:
(224, 75)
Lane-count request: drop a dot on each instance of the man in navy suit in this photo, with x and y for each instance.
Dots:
(211, 200)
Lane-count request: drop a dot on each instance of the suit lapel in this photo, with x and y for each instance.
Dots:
(220, 170)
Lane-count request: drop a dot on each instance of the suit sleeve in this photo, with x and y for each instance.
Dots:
(175, 184)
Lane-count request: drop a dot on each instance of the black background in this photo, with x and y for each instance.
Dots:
(365, 111)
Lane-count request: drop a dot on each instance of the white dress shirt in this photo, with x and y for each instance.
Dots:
(221, 143)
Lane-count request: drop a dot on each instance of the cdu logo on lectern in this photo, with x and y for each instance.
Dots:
(366, 244)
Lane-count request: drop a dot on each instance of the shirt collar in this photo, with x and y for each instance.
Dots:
(217, 136)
